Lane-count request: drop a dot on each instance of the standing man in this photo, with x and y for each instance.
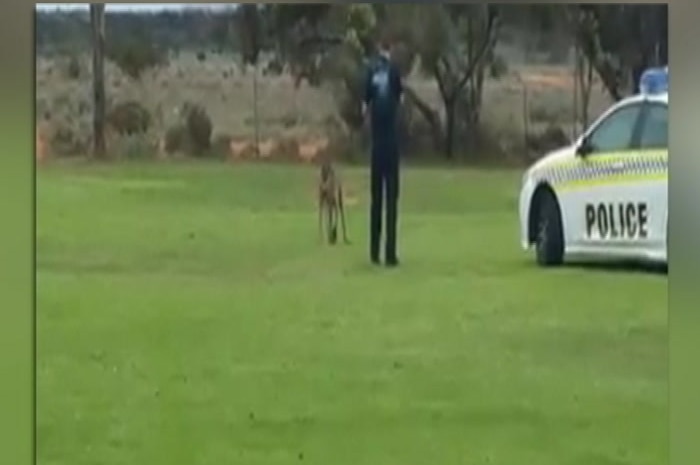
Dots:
(383, 93)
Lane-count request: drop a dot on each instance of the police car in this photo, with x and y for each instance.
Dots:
(606, 195)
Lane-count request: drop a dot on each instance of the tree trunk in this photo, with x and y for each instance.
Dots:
(526, 118)
(663, 35)
(479, 95)
(577, 83)
(586, 85)
(607, 75)
(256, 119)
(450, 120)
(473, 111)
(98, 43)
(431, 117)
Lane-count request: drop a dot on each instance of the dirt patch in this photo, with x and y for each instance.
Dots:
(550, 80)
(41, 147)
(301, 149)
(312, 148)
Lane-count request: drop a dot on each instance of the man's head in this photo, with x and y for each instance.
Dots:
(385, 44)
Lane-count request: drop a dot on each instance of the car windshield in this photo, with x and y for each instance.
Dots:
(655, 131)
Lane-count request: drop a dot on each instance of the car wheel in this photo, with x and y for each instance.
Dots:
(549, 243)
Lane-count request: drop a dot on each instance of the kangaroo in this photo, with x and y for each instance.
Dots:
(330, 202)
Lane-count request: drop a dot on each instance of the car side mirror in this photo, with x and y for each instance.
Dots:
(584, 148)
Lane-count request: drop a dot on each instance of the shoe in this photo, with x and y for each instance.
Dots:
(392, 262)
(375, 261)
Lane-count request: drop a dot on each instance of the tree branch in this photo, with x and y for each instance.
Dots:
(442, 76)
(431, 116)
(485, 46)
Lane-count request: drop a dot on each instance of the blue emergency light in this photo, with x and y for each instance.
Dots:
(654, 81)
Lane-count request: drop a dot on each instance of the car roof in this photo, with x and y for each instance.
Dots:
(660, 98)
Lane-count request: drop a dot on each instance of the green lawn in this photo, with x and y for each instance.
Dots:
(187, 314)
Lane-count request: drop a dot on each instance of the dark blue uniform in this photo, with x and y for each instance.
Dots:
(383, 96)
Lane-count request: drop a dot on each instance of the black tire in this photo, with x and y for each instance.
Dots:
(549, 239)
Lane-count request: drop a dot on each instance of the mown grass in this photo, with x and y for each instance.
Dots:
(187, 314)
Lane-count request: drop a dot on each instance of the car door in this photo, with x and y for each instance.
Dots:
(604, 212)
(651, 188)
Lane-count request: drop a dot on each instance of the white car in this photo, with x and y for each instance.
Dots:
(606, 195)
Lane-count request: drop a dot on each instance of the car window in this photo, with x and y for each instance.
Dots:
(654, 133)
(615, 132)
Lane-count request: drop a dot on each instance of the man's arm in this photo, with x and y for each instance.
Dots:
(368, 93)
(398, 83)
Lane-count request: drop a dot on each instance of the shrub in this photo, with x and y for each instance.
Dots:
(199, 128)
(498, 67)
(73, 69)
(541, 113)
(221, 146)
(134, 146)
(176, 139)
(275, 67)
(201, 57)
(66, 141)
(553, 137)
(84, 107)
(134, 57)
(129, 118)
(192, 135)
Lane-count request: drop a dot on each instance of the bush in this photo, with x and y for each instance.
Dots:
(134, 146)
(201, 57)
(129, 118)
(192, 135)
(221, 146)
(66, 141)
(134, 57)
(73, 69)
(498, 67)
(274, 67)
(176, 139)
(84, 108)
(552, 138)
(541, 113)
(199, 128)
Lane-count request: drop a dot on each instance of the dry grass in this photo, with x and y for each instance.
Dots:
(304, 115)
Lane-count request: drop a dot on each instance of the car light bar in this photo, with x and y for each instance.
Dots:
(654, 81)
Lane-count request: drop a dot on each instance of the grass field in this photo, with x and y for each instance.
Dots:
(186, 314)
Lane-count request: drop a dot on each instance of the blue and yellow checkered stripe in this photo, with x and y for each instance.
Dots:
(605, 169)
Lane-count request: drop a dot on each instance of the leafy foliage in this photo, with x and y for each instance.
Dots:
(134, 56)
(454, 45)
(199, 127)
(192, 133)
(250, 26)
(73, 68)
(129, 118)
(621, 41)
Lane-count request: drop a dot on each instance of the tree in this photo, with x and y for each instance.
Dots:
(301, 35)
(135, 54)
(220, 31)
(622, 41)
(345, 68)
(326, 45)
(583, 25)
(454, 44)
(97, 21)
(249, 24)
